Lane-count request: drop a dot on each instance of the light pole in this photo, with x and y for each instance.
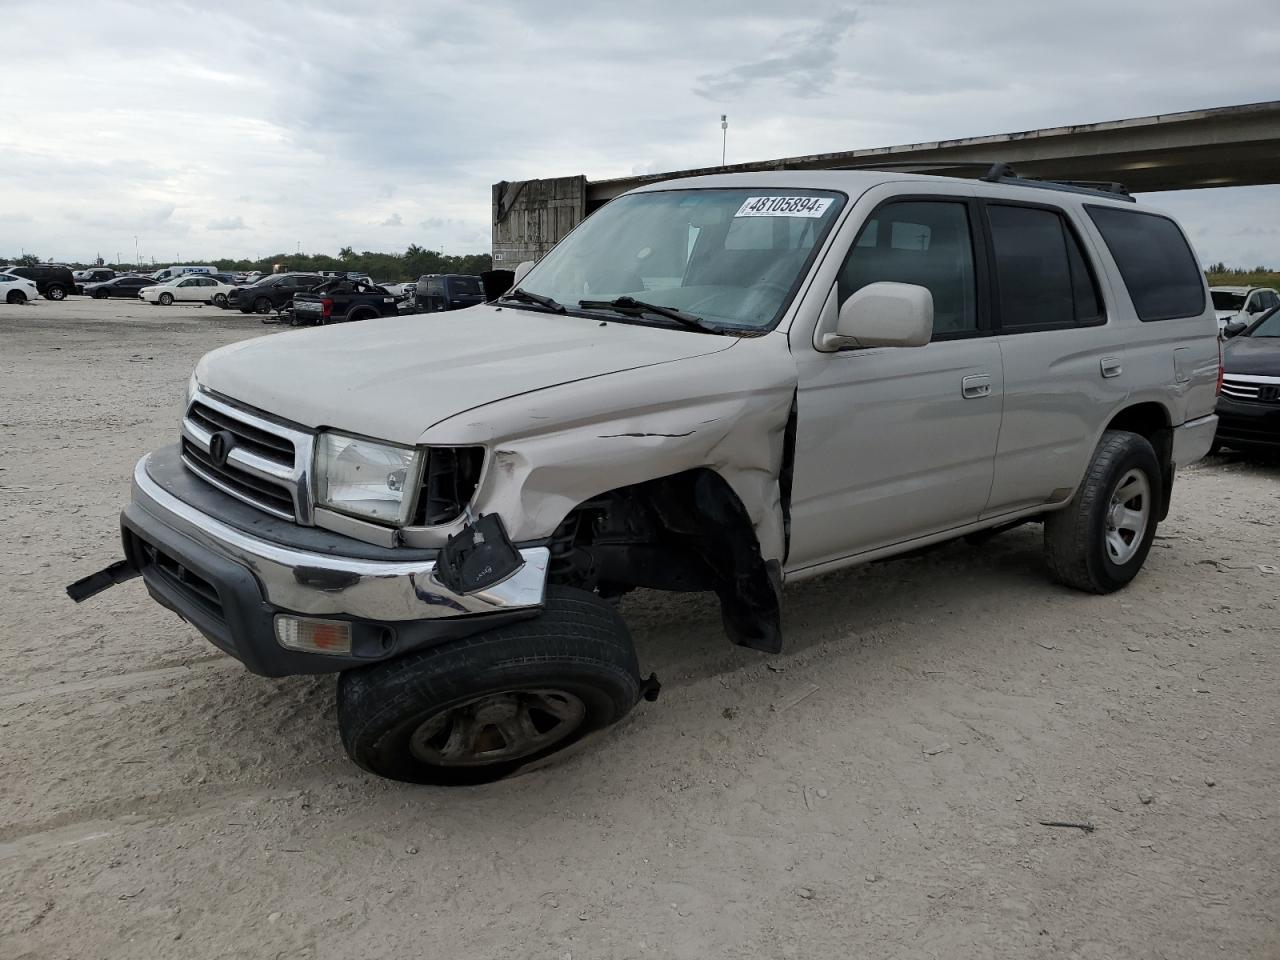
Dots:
(137, 255)
(724, 135)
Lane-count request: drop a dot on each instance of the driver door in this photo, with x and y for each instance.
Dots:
(898, 443)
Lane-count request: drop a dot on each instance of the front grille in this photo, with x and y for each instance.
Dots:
(1244, 387)
(266, 493)
(262, 461)
(268, 445)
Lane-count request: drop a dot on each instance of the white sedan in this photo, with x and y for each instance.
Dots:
(16, 290)
(188, 288)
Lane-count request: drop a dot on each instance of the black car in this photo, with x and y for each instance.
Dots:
(273, 293)
(53, 281)
(1249, 404)
(124, 287)
(91, 275)
(447, 291)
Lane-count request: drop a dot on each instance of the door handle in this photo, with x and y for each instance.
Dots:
(978, 385)
(1111, 367)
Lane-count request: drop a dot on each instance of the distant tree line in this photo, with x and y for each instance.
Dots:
(389, 267)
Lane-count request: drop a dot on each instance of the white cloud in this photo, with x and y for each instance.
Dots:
(121, 135)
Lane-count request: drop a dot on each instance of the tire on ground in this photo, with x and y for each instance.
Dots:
(578, 646)
(1075, 545)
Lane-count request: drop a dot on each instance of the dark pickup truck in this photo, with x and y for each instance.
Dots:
(343, 299)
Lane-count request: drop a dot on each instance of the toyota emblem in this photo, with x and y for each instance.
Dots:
(220, 444)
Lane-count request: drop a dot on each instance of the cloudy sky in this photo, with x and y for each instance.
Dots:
(244, 129)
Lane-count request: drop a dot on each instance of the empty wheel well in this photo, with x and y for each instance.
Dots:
(1151, 420)
(684, 532)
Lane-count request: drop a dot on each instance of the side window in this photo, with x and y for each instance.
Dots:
(1042, 277)
(1159, 270)
(925, 242)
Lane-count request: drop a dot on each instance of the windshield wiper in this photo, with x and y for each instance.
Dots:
(630, 305)
(524, 296)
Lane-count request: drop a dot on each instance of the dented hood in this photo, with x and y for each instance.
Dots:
(393, 377)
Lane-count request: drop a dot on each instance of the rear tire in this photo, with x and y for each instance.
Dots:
(16, 297)
(262, 305)
(166, 299)
(220, 300)
(100, 295)
(56, 292)
(478, 709)
(1100, 539)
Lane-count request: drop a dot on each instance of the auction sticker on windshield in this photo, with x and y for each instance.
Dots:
(783, 207)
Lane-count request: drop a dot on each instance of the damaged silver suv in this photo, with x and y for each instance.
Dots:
(721, 384)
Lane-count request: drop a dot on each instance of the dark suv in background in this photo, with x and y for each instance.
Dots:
(447, 291)
(273, 293)
(52, 280)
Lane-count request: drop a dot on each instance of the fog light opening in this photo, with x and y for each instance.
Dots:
(312, 635)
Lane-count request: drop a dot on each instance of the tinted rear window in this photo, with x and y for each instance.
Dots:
(464, 286)
(1157, 265)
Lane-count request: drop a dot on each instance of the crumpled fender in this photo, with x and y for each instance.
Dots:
(555, 448)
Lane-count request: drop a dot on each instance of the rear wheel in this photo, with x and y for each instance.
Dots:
(220, 300)
(166, 299)
(262, 305)
(1099, 541)
(56, 292)
(100, 294)
(16, 297)
(478, 709)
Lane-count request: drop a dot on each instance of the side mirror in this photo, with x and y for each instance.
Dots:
(1234, 329)
(884, 315)
(521, 271)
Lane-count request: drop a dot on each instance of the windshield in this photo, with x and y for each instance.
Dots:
(731, 257)
(1269, 326)
(1222, 300)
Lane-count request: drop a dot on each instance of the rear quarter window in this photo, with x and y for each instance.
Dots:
(1156, 263)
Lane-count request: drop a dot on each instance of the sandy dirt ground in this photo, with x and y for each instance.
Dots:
(874, 792)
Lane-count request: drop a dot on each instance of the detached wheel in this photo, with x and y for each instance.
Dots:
(478, 709)
(56, 292)
(262, 305)
(1099, 541)
(16, 297)
(166, 299)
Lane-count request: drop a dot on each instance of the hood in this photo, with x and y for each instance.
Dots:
(393, 377)
(1259, 356)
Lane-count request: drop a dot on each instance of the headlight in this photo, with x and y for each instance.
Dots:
(376, 481)
(192, 386)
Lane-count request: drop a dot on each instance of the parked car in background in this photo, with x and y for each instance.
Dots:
(1241, 303)
(91, 275)
(54, 281)
(1249, 404)
(171, 273)
(273, 293)
(120, 287)
(17, 290)
(447, 291)
(341, 300)
(189, 289)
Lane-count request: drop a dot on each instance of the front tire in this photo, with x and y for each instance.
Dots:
(166, 299)
(262, 305)
(100, 295)
(220, 300)
(1099, 541)
(478, 709)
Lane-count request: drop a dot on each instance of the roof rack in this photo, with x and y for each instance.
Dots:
(998, 172)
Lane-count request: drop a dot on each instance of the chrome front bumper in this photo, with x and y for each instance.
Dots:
(324, 584)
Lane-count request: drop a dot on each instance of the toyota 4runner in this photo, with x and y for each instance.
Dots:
(722, 384)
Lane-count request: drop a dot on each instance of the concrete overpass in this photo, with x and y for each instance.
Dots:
(1218, 147)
